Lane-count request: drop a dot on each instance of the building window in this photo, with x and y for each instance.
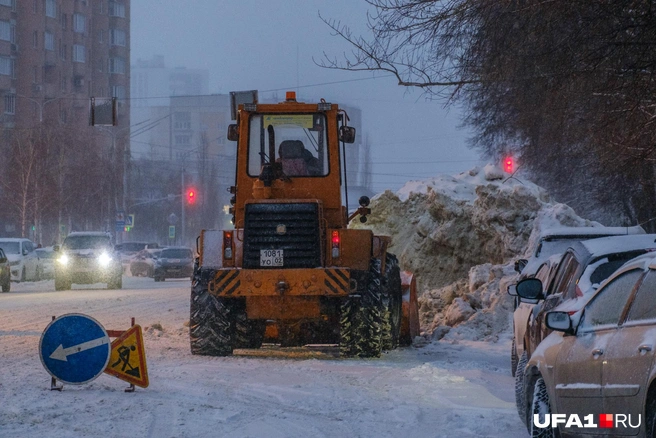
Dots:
(5, 30)
(101, 36)
(6, 3)
(63, 50)
(63, 83)
(49, 41)
(101, 64)
(51, 8)
(118, 91)
(63, 116)
(117, 65)
(116, 9)
(64, 21)
(10, 104)
(182, 139)
(79, 23)
(35, 75)
(6, 66)
(35, 39)
(117, 37)
(79, 53)
(182, 120)
(102, 6)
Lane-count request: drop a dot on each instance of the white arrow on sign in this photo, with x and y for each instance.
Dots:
(62, 353)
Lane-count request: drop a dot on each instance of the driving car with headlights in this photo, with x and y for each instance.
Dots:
(86, 258)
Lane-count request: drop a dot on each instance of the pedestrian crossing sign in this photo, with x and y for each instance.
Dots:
(127, 359)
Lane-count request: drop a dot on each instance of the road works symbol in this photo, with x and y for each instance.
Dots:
(74, 348)
(127, 360)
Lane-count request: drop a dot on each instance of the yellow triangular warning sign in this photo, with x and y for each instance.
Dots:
(127, 360)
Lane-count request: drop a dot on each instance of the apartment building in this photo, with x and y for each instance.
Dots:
(56, 54)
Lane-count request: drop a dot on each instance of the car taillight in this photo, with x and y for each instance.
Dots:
(227, 245)
(335, 244)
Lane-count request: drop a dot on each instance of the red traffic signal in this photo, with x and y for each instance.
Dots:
(191, 196)
(509, 164)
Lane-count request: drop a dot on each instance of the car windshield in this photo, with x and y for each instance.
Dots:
(299, 143)
(132, 246)
(10, 247)
(86, 242)
(176, 254)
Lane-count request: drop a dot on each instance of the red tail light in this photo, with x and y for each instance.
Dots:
(335, 244)
(227, 245)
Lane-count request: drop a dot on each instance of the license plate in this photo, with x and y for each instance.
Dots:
(271, 257)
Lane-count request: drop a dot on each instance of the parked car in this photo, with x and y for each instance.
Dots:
(174, 262)
(143, 263)
(550, 242)
(127, 251)
(600, 360)
(87, 257)
(584, 266)
(45, 268)
(545, 273)
(5, 272)
(22, 258)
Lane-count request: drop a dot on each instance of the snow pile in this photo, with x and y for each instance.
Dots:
(460, 236)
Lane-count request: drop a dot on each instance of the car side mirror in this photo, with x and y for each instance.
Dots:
(520, 264)
(25, 252)
(55, 248)
(530, 288)
(233, 132)
(512, 290)
(347, 134)
(559, 321)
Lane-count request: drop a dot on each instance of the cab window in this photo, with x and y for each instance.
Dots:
(299, 144)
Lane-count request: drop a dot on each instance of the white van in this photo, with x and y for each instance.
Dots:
(22, 258)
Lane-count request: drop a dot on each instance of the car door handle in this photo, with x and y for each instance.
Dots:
(597, 352)
(644, 348)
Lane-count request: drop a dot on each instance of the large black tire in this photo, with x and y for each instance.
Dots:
(541, 407)
(210, 327)
(520, 392)
(248, 333)
(361, 317)
(513, 357)
(62, 283)
(392, 301)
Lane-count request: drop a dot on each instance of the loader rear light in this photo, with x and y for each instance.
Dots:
(335, 244)
(227, 245)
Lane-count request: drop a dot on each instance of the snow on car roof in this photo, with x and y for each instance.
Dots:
(587, 231)
(613, 244)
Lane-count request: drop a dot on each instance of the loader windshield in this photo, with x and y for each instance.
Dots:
(297, 141)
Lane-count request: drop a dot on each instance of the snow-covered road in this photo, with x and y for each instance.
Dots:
(439, 390)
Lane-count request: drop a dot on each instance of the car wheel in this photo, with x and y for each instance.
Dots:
(650, 415)
(520, 394)
(540, 407)
(6, 287)
(513, 358)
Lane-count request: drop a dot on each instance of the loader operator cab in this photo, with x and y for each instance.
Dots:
(288, 145)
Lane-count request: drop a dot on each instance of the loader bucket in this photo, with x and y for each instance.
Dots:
(410, 318)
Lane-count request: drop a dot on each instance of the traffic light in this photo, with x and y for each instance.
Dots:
(191, 196)
(509, 164)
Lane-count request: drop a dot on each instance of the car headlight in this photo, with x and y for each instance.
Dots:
(63, 259)
(104, 259)
(17, 262)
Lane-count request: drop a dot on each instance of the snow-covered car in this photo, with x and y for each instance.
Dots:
(584, 266)
(174, 262)
(5, 272)
(128, 250)
(599, 360)
(85, 258)
(22, 258)
(45, 268)
(143, 263)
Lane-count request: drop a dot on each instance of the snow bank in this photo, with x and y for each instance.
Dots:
(460, 235)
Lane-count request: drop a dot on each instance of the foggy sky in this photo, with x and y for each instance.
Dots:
(269, 45)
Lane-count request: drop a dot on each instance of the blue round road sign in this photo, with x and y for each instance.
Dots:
(74, 348)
